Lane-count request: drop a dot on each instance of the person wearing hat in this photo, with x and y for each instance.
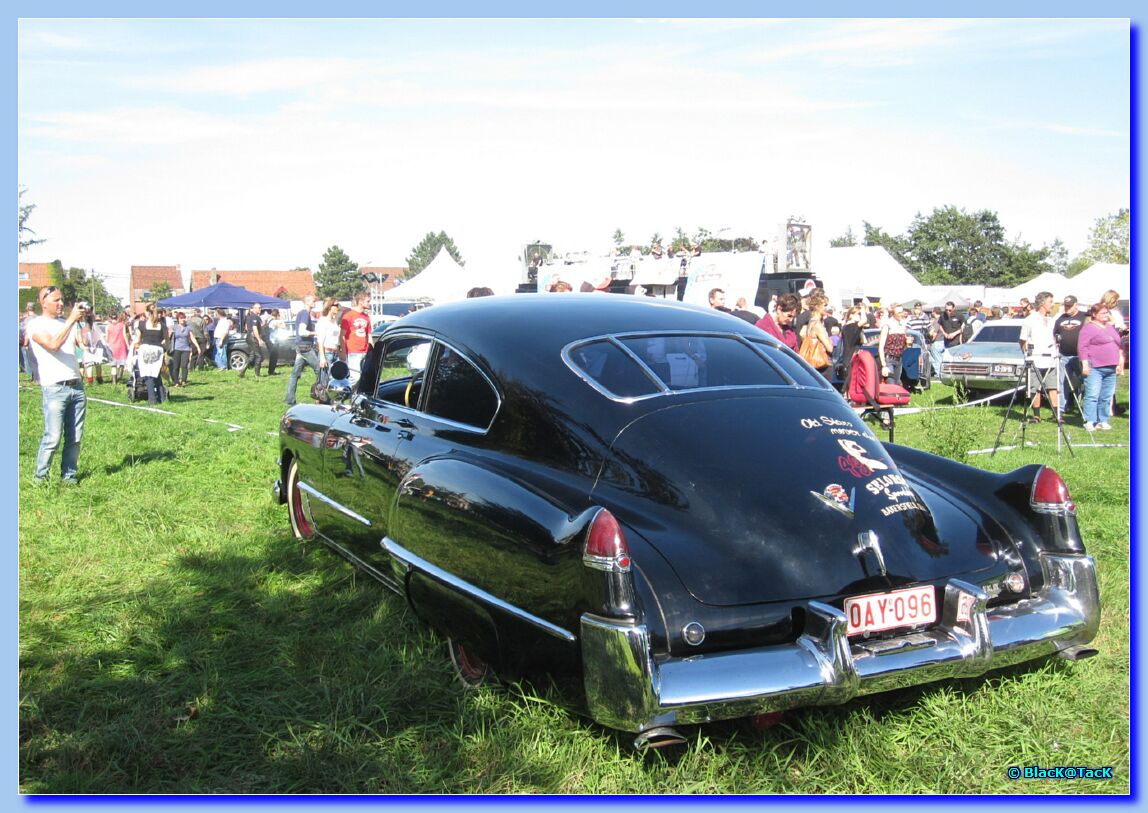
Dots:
(1066, 329)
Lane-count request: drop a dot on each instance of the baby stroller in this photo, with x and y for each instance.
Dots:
(137, 389)
(869, 395)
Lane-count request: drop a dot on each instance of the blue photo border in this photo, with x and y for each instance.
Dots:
(341, 8)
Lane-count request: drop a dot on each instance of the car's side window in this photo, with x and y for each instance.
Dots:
(458, 392)
(608, 365)
(402, 362)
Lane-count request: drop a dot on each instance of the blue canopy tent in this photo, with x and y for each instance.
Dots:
(222, 295)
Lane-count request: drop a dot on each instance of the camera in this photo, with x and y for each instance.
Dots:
(84, 306)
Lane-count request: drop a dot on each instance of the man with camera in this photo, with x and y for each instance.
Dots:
(53, 342)
(1040, 350)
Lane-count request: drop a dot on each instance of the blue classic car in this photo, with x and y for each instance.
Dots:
(666, 505)
(990, 360)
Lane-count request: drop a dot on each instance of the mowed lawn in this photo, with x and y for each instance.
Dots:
(175, 639)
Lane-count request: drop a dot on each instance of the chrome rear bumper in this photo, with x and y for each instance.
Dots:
(628, 689)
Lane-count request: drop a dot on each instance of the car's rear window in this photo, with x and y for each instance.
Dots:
(638, 366)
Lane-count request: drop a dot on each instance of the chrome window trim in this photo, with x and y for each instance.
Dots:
(414, 560)
(753, 343)
(323, 498)
(435, 339)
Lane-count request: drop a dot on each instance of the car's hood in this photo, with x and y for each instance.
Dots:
(772, 497)
(984, 350)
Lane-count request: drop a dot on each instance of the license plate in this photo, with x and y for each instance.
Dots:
(883, 611)
(1004, 369)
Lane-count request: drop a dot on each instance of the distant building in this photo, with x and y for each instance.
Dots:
(143, 277)
(34, 275)
(286, 285)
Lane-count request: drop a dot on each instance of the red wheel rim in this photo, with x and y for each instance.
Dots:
(302, 524)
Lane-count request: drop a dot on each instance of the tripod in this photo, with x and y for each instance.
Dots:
(1022, 383)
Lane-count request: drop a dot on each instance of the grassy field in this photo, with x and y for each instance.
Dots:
(175, 639)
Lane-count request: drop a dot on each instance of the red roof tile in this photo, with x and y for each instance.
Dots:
(288, 284)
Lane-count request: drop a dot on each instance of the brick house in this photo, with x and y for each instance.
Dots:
(283, 284)
(34, 275)
(143, 277)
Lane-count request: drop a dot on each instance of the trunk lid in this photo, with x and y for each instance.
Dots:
(773, 497)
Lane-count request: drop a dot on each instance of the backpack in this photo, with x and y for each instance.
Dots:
(866, 388)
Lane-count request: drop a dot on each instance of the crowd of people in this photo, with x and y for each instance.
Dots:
(1084, 348)
(1081, 350)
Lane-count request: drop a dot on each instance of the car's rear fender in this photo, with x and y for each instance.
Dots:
(1002, 501)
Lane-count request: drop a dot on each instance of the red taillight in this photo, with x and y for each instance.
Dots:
(1049, 493)
(606, 547)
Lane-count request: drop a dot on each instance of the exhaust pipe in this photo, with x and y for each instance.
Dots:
(1077, 653)
(660, 737)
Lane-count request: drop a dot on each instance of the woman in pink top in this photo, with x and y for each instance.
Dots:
(117, 342)
(1101, 360)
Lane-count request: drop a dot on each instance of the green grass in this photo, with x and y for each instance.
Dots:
(173, 638)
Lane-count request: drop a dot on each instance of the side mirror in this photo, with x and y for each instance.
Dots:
(338, 387)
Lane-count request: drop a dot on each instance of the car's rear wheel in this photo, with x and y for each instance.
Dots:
(237, 360)
(470, 669)
(301, 525)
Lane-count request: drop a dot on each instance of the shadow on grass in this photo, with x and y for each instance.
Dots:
(276, 671)
(131, 460)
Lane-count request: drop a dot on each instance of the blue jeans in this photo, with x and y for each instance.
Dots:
(935, 351)
(64, 407)
(306, 358)
(1099, 387)
(221, 356)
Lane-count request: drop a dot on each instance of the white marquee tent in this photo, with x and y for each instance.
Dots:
(1058, 285)
(853, 272)
(1091, 283)
(443, 280)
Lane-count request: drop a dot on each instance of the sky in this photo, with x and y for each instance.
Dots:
(260, 143)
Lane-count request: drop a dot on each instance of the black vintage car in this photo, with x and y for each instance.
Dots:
(664, 503)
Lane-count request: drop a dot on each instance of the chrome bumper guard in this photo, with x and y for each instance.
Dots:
(628, 689)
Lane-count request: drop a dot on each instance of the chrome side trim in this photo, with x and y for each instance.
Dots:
(323, 498)
(628, 688)
(410, 560)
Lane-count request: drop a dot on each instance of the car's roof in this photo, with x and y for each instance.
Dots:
(545, 323)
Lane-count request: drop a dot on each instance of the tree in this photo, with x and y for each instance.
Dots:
(428, 249)
(76, 284)
(1108, 240)
(619, 238)
(25, 213)
(337, 276)
(845, 240)
(1058, 256)
(159, 290)
(954, 247)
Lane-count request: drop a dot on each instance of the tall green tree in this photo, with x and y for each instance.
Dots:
(76, 284)
(1058, 256)
(845, 240)
(428, 249)
(25, 238)
(619, 238)
(338, 276)
(1108, 242)
(955, 247)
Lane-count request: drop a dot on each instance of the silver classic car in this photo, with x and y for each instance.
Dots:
(991, 360)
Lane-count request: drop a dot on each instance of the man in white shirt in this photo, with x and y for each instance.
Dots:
(1040, 348)
(53, 341)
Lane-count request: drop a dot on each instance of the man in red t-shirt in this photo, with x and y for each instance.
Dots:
(355, 335)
